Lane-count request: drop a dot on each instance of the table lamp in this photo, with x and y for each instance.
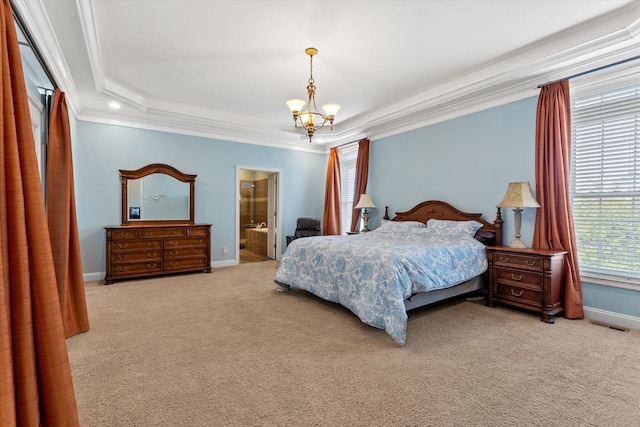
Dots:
(518, 196)
(365, 203)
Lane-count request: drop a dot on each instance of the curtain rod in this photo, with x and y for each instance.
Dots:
(633, 58)
(350, 142)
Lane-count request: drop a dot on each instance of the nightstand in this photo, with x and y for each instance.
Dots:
(532, 279)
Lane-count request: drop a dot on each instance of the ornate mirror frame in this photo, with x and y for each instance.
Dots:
(126, 175)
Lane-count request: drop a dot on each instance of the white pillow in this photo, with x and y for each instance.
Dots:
(446, 229)
(400, 225)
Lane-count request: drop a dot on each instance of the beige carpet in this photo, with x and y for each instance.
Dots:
(227, 349)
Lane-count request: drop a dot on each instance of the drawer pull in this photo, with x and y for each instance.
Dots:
(531, 263)
(199, 251)
(124, 233)
(199, 241)
(504, 259)
(123, 245)
(173, 263)
(152, 244)
(151, 265)
(198, 261)
(176, 232)
(173, 242)
(151, 255)
(173, 253)
(514, 277)
(123, 268)
(123, 256)
(519, 294)
(147, 233)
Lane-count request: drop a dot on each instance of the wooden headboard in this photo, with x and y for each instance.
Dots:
(489, 234)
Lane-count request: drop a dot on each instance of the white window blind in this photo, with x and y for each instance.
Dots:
(348, 156)
(605, 182)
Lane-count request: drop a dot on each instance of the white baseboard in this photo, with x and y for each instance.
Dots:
(92, 277)
(226, 263)
(612, 318)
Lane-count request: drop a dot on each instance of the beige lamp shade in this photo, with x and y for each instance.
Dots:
(518, 195)
(365, 202)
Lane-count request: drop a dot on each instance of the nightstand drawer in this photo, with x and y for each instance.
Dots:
(527, 262)
(532, 279)
(517, 277)
(522, 295)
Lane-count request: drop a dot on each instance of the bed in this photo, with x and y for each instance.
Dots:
(424, 255)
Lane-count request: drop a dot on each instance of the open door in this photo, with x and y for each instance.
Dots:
(272, 214)
(258, 221)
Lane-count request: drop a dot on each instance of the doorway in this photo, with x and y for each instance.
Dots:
(258, 221)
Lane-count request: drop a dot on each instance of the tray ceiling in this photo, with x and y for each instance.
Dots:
(223, 69)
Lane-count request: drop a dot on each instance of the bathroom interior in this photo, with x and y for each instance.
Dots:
(254, 198)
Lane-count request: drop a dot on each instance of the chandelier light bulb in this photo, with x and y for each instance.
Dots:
(331, 109)
(295, 104)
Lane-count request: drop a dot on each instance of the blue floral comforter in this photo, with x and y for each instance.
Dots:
(373, 273)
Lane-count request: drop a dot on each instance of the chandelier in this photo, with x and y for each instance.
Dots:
(311, 120)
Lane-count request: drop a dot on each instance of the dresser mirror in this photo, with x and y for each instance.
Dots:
(157, 194)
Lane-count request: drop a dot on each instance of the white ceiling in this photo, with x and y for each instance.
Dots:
(223, 69)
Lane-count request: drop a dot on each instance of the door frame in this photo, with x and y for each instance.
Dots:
(278, 205)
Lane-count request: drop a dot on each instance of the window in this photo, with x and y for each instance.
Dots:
(348, 156)
(605, 181)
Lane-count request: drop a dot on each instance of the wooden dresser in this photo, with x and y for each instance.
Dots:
(148, 250)
(532, 279)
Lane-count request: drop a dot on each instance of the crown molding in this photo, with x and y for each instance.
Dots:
(504, 80)
(37, 22)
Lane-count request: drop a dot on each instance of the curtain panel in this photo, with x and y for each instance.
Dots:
(331, 222)
(362, 175)
(554, 221)
(61, 215)
(35, 379)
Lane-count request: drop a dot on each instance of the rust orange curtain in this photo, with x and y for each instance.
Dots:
(362, 175)
(331, 224)
(554, 220)
(61, 215)
(35, 379)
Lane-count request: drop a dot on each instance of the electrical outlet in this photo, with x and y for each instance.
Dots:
(225, 250)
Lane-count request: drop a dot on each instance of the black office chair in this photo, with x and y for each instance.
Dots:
(306, 227)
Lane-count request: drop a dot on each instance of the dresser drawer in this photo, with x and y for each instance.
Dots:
(120, 234)
(132, 256)
(517, 277)
(136, 245)
(176, 243)
(180, 252)
(179, 264)
(528, 262)
(136, 268)
(197, 231)
(148, 233)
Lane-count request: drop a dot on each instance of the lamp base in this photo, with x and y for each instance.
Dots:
(517, 243)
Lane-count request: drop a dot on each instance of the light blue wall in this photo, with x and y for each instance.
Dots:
(101, 150)
(468, 162)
